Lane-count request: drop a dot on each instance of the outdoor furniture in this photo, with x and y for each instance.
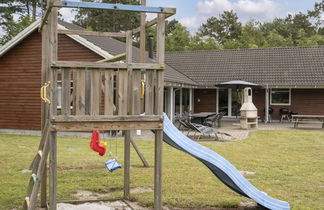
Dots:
(284, 114)
(270, 113)
(306, 119)
(201, 116)
(205, 130)
(211, 120)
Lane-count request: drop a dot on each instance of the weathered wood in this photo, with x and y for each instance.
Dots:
(114, 7)
(39, 175)
(87, 103)
(66, 92)
(44, 188)
(139, 153)
(95, 92)
(158, 170)
(95, 65)
(149, 23)
(92, 33)
(127, 164)
(149, 92)
(122, 86)
(79, 83)
(47, 13)
(53, 170)
(159, 110)
(106, 118)
(116, 58)
(109, 92)
(123, 125)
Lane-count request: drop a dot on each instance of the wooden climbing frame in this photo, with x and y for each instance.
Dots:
(105, 96)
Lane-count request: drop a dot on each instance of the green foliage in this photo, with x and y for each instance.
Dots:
(105, 20)
(222, 29)
(178, 39)
(25, 13)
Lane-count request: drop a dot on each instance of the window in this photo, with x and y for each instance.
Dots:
(280, 96)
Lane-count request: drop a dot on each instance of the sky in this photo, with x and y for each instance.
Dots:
(191, 13)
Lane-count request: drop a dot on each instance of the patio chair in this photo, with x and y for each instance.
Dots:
(212, 119)
(205, 130)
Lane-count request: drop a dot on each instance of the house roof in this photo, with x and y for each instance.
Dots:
(292, 66)
(103, 46)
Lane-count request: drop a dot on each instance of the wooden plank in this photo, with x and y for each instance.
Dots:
(122, 86)
(92, 33)
(149, 93)
(66, 92)
(116, 58)
(88, 76)
(109, 92)
(123, 125)
(127, 164)
(149, 23)
(53, 170)
(139, 153)
(114, 7)
(158, 170)
(95, 92)
(79, 82)
(95, 65)
(106, 118)
(47, 13)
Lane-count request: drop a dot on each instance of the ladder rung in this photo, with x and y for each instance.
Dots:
(27, 201)
(34, 176)
(40, 153)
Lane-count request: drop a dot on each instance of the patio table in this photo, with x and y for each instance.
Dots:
(302, 119)
(201, 115)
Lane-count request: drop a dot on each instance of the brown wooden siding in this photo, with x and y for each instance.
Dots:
(304, 101)
(20, 79)
(207, 99)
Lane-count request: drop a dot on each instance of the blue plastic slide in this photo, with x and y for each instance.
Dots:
(220, 167)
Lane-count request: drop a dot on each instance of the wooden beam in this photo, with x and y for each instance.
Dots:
(105, 118)
(92, 33)
(47, 13)
(118, 57)
(150, 23)
(95, 65)
(122, 125)
(115, 7)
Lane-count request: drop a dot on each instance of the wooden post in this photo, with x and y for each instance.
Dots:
(171, 103)
(159, 110)
(190, 101)
(181, 101)
(53, 168)
(128, 102)
(266, 110)
(217, 100)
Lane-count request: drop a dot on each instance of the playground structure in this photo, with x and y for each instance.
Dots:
(105, 96)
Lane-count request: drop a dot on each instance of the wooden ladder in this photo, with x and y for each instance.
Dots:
(37, 167)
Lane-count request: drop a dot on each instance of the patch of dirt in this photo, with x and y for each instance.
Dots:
(86, 195)
(141, 190)
(25, 171)
(247, 172)
(116, 205)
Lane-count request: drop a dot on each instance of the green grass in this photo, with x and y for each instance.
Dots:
(288, 165)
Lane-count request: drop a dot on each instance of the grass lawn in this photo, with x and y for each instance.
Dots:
(288, 165)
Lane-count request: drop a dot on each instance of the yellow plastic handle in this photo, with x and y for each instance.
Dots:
(44, 92)
(142, 88)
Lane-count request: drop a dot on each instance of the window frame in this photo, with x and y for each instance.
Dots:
(283, 104)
